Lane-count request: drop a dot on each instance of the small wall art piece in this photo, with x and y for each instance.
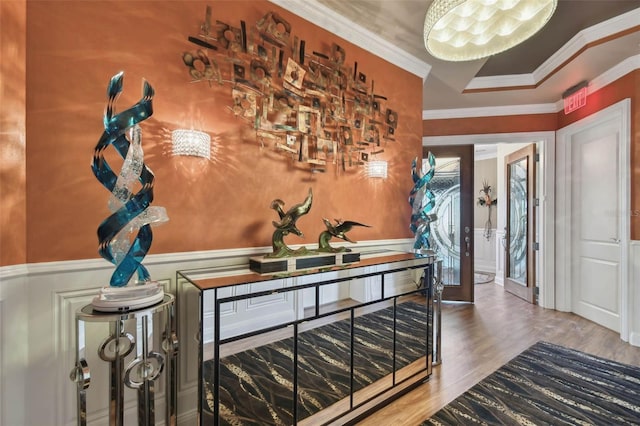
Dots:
(485, 200)
(309, 105)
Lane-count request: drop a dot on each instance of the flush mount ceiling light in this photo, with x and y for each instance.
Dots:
(463, 30)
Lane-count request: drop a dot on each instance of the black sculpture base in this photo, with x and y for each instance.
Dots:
(267, 265)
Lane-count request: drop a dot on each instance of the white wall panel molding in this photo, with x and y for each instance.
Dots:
(398, 283)
(3, 320)
(484, 251)
(633, 301)
(66, 303)
(185, 260)
(188, 332)
(11, 272)
(37, 330)
(14, 346)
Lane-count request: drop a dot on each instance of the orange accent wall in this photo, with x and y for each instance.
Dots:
(627, 86)
(72, 50)
(13, 20)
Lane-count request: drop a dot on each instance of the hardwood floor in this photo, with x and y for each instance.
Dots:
(477, 339)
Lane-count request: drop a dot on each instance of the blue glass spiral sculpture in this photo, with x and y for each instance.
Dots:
(422, 201)
(131, 212)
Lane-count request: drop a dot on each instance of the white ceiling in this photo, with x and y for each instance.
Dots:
(569, 50)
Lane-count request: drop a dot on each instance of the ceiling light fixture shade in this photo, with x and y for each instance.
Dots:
(191, 142)
(464, 30)
(377, 169)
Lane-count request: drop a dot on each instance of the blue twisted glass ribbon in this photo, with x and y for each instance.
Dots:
(129, 208)
(422, 201)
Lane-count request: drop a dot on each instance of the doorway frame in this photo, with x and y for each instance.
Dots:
(619, 111)
(526, 292)
(545, 233)
(463, 292)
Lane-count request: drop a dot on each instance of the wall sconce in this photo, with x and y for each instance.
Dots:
(464, 30)
(191, 142)
(377, 169)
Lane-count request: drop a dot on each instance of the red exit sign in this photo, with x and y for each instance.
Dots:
(575, 100)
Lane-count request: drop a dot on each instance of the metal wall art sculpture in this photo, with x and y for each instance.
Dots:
(125, 236)
(422, 201)
(309, 105)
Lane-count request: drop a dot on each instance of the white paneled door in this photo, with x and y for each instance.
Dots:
(596, 228)
(592, 218)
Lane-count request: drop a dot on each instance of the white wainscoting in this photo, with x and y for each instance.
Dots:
(14, 355)
(633, 303)
(484, 250)
(38, 303)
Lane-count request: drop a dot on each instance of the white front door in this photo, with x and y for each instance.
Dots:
(592, 214)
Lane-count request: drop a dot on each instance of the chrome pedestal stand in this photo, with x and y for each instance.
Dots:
(439, 288)
(141, 372)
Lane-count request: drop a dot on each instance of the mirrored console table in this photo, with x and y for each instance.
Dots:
(321, 346)
(138, 347)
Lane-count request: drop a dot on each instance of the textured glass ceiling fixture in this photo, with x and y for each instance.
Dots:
(191, 142)
(464, 30)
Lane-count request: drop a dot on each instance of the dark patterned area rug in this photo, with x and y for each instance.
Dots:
(550, 385)
(256, 386)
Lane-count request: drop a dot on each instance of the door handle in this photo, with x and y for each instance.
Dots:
(615, 240)
(467, 240)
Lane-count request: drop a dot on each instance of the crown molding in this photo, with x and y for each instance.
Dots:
(585, 37)
(579, 42)
(623, 68)
(489, 138)
(337, 24)
(506, 110)
(500, 81)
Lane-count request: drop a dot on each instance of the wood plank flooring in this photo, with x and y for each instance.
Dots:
(479, 338)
